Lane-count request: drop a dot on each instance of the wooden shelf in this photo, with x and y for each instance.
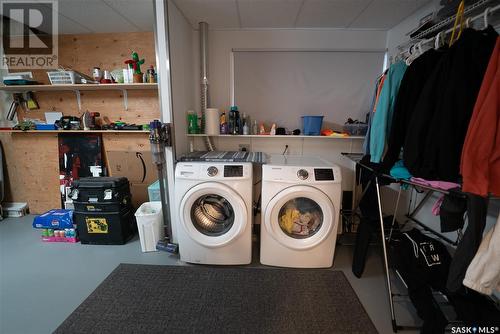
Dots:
(74, 131)
(80, 87)
(77, 88)
(276, 136)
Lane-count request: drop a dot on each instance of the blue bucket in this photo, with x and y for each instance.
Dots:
(311, 125)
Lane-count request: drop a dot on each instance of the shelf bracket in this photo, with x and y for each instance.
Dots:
(78, 100)
(125, 99)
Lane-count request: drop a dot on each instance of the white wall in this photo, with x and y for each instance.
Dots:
(182, 66)
(397, 34)
(221, 42)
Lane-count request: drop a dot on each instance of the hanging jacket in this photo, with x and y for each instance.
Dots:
(366, 142)
(411, 86)
(480, 163)
(477, 210)
(434, 141)
(483, 274)
(382, 118)
(376, 95)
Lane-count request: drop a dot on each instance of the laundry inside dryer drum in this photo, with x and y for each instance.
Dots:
(300, 218)
(212, 215)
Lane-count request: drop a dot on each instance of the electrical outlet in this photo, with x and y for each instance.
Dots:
(244, 147)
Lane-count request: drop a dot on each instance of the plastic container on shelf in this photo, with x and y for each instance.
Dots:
(150, 225)
(45, 127)
(311, 125)
(358, 129)
(154, 191)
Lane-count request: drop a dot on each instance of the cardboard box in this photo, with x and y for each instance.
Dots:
(138, 168)
(139, 193)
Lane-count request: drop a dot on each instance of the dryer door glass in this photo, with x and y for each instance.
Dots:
(300, 217)
(212, 215)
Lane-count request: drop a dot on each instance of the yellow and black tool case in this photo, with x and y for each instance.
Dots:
(103, 211)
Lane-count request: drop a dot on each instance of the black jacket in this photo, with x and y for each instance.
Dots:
(409, 92)
(434, 141)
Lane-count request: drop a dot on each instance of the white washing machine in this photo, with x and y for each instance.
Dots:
(214, 212)
(301, 199)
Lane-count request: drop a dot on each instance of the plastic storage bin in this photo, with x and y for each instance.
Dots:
(311, 125)
(154, 191)
(356, 129)
(150, 225)
(46, 127)
(15, 209)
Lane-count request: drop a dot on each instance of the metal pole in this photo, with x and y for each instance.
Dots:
(165, 204)
(395, 212)
(421, 203)
(386, 265)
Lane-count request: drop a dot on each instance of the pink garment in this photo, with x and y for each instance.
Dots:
(444, 185)
(436, 208)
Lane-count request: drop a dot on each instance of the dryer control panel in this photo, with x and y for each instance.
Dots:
(301, 175)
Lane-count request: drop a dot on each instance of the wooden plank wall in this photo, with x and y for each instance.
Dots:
(32, 167)
(107, 51)
(31, 170)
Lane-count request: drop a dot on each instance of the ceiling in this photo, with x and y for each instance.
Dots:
(101, 16)
(248, 14)
(104, 16)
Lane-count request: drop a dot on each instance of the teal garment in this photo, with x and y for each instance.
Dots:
(382, 119)
(400, 172)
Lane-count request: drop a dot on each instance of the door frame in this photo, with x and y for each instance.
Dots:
(162, 48)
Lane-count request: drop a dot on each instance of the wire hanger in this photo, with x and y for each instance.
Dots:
(437, 41)
(468, 22)
(486, 13)
(459, 18)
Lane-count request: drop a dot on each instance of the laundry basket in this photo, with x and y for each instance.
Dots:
(150, 225)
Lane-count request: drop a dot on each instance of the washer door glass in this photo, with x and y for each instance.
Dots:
(300, 217)
(212, 215)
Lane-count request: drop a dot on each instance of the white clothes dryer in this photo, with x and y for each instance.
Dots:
(301, 199)
(214, 212)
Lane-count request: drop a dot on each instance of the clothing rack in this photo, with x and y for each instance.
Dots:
(356, 158)
(418, 41)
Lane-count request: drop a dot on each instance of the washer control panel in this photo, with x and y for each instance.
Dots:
(233, 171)
(212, 171)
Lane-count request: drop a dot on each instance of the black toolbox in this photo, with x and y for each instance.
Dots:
(103, 210)
(101, 194)
(105, 228)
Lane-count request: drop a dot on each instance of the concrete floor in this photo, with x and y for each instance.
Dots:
(42, 283)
